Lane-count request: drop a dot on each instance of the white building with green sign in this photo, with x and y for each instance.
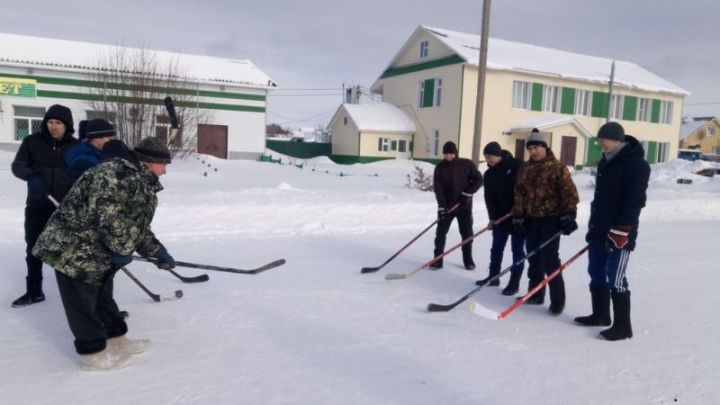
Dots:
(38, 72)
(433, 80)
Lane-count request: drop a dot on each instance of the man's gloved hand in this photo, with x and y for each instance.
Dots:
(466, 198)
(164, 260)
(518, 225)
(618, 236)
(120, 261)
(567, 223)
(490, 225)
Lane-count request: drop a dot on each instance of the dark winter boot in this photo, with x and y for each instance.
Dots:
(557, 295)
(437, 265)
(513, 285)
(600, 308)
(539, 297)
(621, 328)
(493, 283)
(468, 260)
(34, 293)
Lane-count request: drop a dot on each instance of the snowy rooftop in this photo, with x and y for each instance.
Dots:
(29, 51)
(516, 56)
(549, 121)
(691, 125)
(379, 117)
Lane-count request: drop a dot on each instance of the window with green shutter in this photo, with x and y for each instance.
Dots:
(537, 97)
(428, 92)
(393, 145)
(599, 104)
(651, 152)
(630, 108)
(568, 100)
(655, 115)
(594, 153)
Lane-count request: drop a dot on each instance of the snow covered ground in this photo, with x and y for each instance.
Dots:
(316, 331)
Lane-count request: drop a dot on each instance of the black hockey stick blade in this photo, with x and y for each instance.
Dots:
(440, 308)
(365, 270)
(196, 279)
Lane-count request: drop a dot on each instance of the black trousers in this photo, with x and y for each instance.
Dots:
(91, 312)
(35, 220)
(465, 225)
(547, 260)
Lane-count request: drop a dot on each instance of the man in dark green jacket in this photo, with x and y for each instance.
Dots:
(104, 218)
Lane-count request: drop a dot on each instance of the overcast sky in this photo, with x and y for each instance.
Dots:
(321, 44)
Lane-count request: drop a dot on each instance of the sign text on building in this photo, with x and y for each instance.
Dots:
(17, 87)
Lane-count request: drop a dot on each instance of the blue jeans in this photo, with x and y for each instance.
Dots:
(500, 235)
(607, 267)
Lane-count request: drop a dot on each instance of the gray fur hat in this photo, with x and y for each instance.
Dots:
(152, 150)
(535, 139)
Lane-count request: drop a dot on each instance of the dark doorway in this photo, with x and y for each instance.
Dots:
(213, 140)
(520, 149)
(567, 150)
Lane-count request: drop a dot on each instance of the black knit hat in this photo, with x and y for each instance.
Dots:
(535, 139)
(450, 147)
(152, 150)
(61, 113)
(98, 128)
(82, 125)
(612, 130)
(493, 148)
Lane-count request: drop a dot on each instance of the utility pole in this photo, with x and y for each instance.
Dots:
(610, 93)
(482, 67)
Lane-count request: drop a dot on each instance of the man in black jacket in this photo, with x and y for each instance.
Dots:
(620, 194)
(40, 162)
(499, 197)
(455, 180)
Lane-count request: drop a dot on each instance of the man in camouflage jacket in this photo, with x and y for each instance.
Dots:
(545, 202)
(104, 218)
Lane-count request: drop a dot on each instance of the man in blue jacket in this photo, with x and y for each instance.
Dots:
(40, 161)
(620, 194)
(87, 154)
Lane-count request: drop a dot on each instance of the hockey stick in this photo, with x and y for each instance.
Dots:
(396, 276)
(374, 269)
(482, 311)
(196, 279)
(174, 125)
(256, 270)
(445, 308)
(156, 297)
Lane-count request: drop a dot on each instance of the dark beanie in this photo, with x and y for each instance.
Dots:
(152, 150)
(98, 128)
(612, 130)
(61, 113)
(535, 139)
(82, 125)
(493, 148)
(450, 147)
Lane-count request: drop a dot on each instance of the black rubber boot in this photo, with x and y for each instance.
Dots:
(539, 297)
(513, 285)
(621, 328)
(34, 293)
(600, 308)
(491, 274)
(437, 265)
(557, 295)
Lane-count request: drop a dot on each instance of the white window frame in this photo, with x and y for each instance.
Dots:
(402, 145)
(583, 102)
(424, 48)
(710, 130)
(666, 111)
(383, 144)
(522, 95)
(435, 143)
(31, 120)
(421, 94)
(663, 149)
(438, 92)
(552, 98)
(644, 111)
(616, 106)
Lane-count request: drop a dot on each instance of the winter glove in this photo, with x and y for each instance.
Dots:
(518, 225)
(568, 224)
(164, 260)
(120, 261)
(466, 198)
(618, 237)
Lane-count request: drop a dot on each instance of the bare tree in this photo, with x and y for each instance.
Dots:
(134, 83)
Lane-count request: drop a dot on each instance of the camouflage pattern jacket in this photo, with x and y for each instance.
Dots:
(107, 212)
(544, 188)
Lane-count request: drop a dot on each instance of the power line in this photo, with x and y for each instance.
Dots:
(705, 103)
